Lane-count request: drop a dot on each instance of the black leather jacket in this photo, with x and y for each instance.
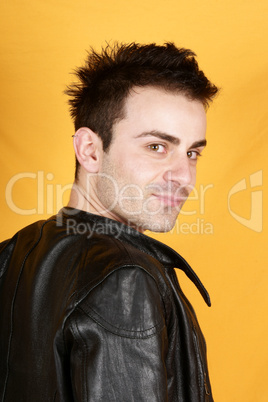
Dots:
(91, 310)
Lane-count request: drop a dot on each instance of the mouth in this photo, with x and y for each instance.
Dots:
(170, 200)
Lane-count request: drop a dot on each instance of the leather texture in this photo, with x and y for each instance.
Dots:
(91, 310)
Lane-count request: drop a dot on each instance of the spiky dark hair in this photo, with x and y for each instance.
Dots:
(97, 100)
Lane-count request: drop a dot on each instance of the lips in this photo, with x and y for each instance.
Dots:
(170, 200)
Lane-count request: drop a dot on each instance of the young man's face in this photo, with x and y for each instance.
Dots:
(150, 167)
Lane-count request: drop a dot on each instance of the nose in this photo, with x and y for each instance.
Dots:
(181, 172)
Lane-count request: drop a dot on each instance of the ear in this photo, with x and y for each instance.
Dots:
(88, 149)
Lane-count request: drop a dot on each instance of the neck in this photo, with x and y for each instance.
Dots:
(89, 202)
(85, 200)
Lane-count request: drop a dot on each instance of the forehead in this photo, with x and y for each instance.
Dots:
(158, 97)
(150, 108)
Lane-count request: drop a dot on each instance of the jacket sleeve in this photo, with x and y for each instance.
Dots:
(119, 342)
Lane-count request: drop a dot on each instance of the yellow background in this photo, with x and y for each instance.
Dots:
(41, 43)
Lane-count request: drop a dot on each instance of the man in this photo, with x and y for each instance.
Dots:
(91, 309)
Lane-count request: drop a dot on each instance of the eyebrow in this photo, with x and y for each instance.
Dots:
(199, 144)
(170, 138)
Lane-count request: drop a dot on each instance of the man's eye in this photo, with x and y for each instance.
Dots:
(157, 148)
(193, 155)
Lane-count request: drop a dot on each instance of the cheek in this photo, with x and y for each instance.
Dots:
(135, 169)
(136, 172)
(193, 175)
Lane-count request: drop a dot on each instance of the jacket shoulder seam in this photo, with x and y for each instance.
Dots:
(123, 333)
(93, 314)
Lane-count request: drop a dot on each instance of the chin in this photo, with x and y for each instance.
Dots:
(160, 226)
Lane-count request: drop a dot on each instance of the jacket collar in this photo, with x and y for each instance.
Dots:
(81, 221)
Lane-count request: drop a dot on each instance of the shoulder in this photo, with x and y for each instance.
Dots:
(127, 302)
(122, 288)
(101, 256)
(6, 249)
(22, 241)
